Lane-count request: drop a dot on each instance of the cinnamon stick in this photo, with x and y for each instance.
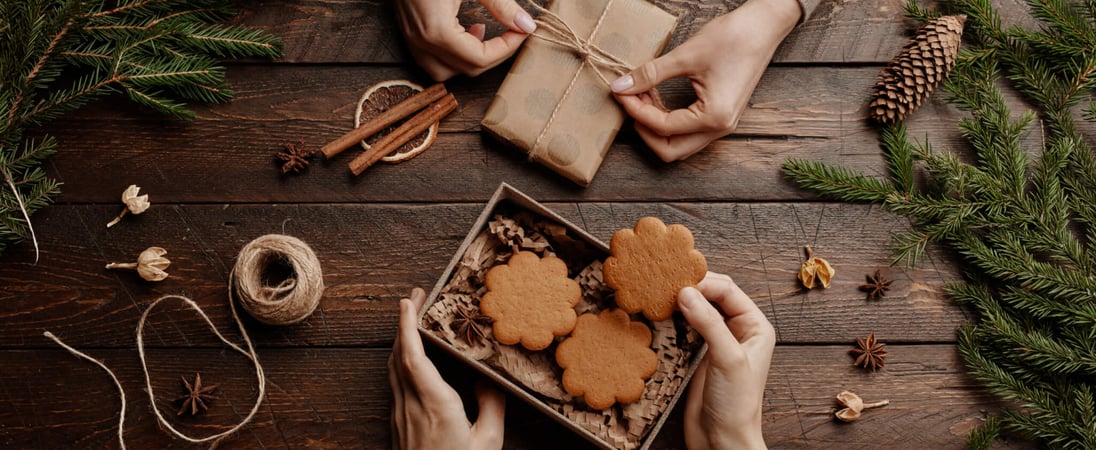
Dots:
(383, 120)
(405, 132)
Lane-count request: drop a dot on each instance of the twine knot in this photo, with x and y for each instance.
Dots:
(552, 28)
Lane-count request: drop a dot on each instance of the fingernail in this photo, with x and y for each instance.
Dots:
(690, 298)
(622, 83)
(525, 22)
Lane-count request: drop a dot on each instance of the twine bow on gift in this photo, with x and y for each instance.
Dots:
(558, 32)
(552, 28)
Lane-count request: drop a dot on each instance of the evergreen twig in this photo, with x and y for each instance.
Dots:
(58, 55)
(1025, 227)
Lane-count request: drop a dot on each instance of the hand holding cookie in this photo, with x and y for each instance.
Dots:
(426, 412)
(723, 409)
(650, 263)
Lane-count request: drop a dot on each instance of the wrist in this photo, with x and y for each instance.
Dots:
(747, 440)
(735, 435)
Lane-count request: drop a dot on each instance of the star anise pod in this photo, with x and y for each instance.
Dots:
(295, 157)
(869, 353)
(877, 286)
(196, 396)
(470, 325)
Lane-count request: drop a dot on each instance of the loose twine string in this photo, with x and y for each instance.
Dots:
(251, 264)
(552, 28)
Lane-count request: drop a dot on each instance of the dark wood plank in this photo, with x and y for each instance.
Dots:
(374, 254)
(339, 398)
(364, 31)
(800, 112)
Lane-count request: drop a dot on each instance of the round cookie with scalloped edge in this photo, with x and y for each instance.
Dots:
(531, 300)
(607, 359)
(649, 264)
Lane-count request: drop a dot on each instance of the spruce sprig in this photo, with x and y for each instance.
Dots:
(58, 55)
(1021, 217)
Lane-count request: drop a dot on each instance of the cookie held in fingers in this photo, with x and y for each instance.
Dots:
(531, 300)
(607, 359)
(650, 264)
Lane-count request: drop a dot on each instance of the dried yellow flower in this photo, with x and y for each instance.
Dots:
(853, 405)
(815, 268)
(150, 264)
(135, 204)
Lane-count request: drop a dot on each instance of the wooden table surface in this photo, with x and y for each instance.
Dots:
(214, 187)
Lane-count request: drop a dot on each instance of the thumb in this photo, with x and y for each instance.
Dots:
(647, 76)
(509, 14)
(725, 350)
(488, 429)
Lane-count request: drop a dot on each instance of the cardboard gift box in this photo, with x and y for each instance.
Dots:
(553, 106)
(513, 222)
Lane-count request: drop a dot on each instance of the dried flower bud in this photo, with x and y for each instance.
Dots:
(150, 264)
(135, 204)
(853, 405)
(815, 268)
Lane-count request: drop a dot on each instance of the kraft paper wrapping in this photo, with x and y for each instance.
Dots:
(552, 94)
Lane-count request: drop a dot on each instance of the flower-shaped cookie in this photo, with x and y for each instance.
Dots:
(607, 358)
(650, 264)
(531, 300)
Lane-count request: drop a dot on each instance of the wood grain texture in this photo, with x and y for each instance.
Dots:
(226, 155)
(372, 255)
(364, 31)
(339, 398)
(214, 186)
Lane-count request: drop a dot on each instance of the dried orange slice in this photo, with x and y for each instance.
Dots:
(378, 98)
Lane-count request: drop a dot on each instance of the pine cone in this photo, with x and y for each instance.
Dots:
(911, 76)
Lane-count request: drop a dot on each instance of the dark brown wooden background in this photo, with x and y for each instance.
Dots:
(214, 187)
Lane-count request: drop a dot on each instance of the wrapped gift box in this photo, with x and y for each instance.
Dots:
(553, 106)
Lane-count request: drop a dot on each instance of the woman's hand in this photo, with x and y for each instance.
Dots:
(724, 61)
(427, 413)
(723, 409)
(444, 48)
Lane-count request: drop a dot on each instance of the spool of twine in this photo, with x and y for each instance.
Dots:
(278, 279)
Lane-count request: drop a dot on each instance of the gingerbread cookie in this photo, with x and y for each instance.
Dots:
(531, 300)
(650, 264)
(607, 358)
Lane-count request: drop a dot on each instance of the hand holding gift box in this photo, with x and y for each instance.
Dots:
(555, 103)
(729, 383)
(444, 48)
(724, 61)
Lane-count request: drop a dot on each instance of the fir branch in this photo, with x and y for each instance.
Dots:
(915, 11)
(837, 182)
(1066, 20)
(982, 438)
(899, 153)
(1025, 226)
(57, 56)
